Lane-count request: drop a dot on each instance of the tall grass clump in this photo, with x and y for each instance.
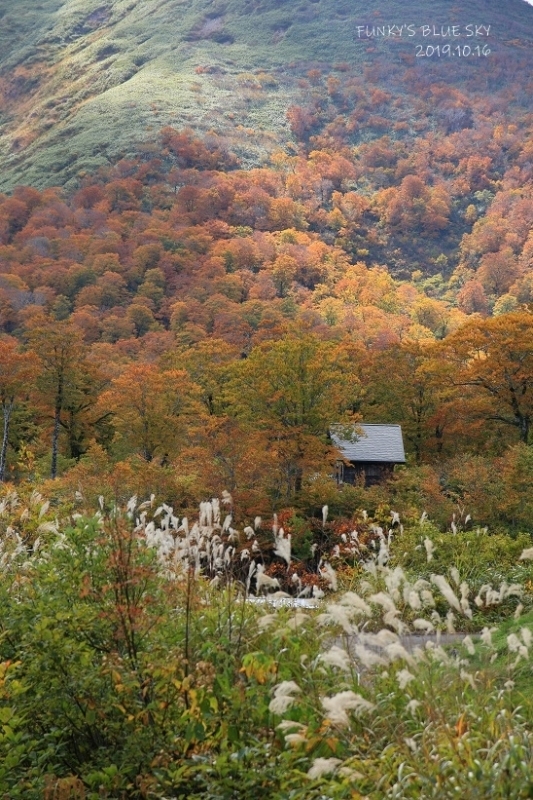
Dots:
(132, 665)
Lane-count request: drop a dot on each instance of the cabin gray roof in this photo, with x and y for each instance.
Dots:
(382, 443)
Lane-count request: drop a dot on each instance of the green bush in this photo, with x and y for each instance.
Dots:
(120, 680)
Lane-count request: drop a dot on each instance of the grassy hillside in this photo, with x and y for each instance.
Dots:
(84, 81)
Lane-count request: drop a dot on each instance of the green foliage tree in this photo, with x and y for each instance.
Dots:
(403, 386)
(294, 389)
(208, 364)
(61, 352)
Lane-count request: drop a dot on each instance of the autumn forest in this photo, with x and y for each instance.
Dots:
(230, 232)
(181, 323)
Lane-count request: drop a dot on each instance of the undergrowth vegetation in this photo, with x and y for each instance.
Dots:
(139, 660)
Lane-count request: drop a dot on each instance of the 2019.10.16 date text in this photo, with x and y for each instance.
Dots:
(450, 50)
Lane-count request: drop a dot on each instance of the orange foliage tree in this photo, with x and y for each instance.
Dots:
(494, 359)
(17, 369)
(149, 410)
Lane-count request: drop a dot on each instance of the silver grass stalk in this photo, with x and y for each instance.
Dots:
(290, 725)
(447, 592)
(382, 638)
(265, 581)
(414, 601)
(424, 625)
(297, 620)
(294, 732)
(384, 600)
(513, 590)
(336, 657)
(335, 614)
(323, 766)
(390, 618)
(266, 621)
(353, 600)
(450, 620)
(438, 653)
(329, 574)
(514, 645)
(370, 566)
(337, 706)
(283, 546)
(486, 636)
(365, 587)
(468, 678)
(412, 706)
(393, 581)
(369, 658)
(383, 555)
(427, 598)
(404, 677)
(295, 739)
(227, 523)
(283, 697)
(35, 498)
(527, 636)
(430, 548)
(397, 652)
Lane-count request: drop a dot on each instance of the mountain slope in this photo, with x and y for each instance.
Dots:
(85, 81)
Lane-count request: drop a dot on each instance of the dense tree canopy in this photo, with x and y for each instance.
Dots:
(197, 316)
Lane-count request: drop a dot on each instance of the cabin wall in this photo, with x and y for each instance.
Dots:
(371, 472)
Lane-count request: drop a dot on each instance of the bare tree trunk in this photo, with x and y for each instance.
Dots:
(7, 408)
(524, 429)
(57, 425)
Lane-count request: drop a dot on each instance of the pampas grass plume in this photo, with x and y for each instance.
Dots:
(337, 706)
(404, 677)
(283, 698)
(430, 547)
(353, 600)
(447, 592)
(336, 657)
(339, 615)
(323, 766)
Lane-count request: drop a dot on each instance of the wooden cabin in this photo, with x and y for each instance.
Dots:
(371, 453)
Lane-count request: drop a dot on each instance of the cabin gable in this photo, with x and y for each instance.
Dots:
(371, 454)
